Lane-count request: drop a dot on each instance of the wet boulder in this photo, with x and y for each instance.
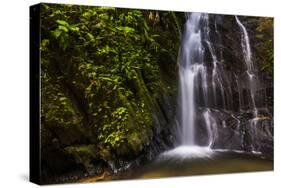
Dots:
(259, 135)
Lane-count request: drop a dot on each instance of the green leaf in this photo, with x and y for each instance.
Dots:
(126, 29)
(62, 98)
(57, 33)
(62, 22)
(63, 28)
(90, 36)
(73, 28)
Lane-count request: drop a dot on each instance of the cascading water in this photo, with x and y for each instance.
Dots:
(245, 43)
(206, 116)
(190, 65)
(253, 81)
(247, 54)
(194, 74)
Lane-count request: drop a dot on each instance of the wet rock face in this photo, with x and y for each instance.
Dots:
(236, 131)
(162, 136)
(226, 131)
(259, 135)
(255, 118)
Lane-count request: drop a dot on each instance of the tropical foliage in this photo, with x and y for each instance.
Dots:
(101, 77)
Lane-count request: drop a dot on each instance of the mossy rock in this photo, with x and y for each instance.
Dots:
(69, 134)
(87, 155)
(83, 154)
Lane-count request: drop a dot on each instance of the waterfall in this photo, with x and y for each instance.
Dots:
(206, 118)
(191, 65)
(245, 44)
(247, 55)
(253, 87)
(194, 75)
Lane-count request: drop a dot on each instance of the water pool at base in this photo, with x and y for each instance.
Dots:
(204, 162)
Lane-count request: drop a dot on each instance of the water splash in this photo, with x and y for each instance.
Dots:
(187, 152)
